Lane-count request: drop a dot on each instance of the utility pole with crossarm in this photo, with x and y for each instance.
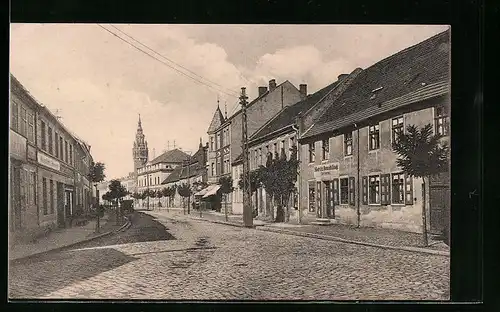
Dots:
(247, 205)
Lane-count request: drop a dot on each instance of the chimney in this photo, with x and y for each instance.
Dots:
(272, 84)
(262, 90)
(342, 76)
(303, 89)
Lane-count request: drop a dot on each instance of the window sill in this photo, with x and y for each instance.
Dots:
(373, 151)
(325, 161)
(348, 156)
(374, 204)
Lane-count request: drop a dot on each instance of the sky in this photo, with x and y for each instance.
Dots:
(99, 84)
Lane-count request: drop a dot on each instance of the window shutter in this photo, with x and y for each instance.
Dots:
(336, 191)
(408, 190)
(351, 191)
(365, 190)
(385, 192)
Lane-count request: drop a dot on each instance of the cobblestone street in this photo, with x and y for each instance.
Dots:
(204, 261)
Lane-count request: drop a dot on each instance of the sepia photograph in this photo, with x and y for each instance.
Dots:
(229, 162)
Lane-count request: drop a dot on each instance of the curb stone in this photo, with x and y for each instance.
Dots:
(121, 229)
(331, 238)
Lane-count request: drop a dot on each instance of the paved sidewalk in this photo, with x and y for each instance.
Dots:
(362, 235)
(62, 238)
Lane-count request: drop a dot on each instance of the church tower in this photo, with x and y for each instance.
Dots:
(140, 150)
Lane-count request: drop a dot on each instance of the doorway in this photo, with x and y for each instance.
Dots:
(60, 204)
(329, 199)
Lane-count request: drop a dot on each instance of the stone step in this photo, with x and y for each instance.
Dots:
(323, 221)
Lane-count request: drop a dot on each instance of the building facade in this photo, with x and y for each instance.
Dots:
(348, 170)
(44, 164)
(225, 134)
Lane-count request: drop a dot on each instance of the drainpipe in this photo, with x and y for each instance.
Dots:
(358, 184)
(299, 214)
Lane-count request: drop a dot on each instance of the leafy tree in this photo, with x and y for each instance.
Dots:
(96, 175)
(421, 155)
(279, 178)
(226, 187)
(184, 190)
(159, 195)
(117, 191)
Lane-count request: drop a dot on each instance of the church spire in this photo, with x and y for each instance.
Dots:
(139, 125)
(201, 145)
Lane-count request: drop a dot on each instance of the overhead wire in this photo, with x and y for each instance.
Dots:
(168, 65)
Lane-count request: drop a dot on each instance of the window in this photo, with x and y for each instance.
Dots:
(71, 154)
(51, 190)
(66, 151)
(325, 146)
(398, 188)
(61, 152)
(374, 134)
(24, 122)
(291, 143)
(212, 166)
(312, 197)
(43, 136)
(397, 128)
(56, 141)
(275, 149)
(49, 134)
(14, 115)
(44, 196)
(211, 143)
(282, 148)
(344, 191)
(31, 128)
(312, 156)
(348, 144)
(260, 157)
(441, 120)
(374, 189)
(32, 187)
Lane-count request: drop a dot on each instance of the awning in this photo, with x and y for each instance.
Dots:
(212, 191)
(203, 191)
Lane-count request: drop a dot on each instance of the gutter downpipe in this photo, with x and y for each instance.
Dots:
(299, 217)
(358, 184)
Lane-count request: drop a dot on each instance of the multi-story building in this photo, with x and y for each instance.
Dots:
(192, 172)
(44, 163)
(348, 170)
(225, 134)
(276, 136)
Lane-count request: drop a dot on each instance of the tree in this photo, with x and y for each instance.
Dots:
(184, 191)
(96, 175)
(159, 195)
(278, 178)
(421, 155)
(255, 183)
(226, 187)
(117, 191)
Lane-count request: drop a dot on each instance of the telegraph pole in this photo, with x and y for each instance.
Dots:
(247, 205)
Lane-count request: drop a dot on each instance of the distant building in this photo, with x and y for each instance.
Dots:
(225, 134)
(140, 151)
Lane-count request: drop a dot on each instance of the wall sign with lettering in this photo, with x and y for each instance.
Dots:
(48, 161)
(326, 171)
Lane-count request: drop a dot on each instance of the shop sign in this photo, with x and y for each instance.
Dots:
(31, 152)
(48, 161)
(326, 171)
(66, 170)
(17, 146)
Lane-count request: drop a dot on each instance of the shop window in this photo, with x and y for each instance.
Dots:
(348, 144)
(312, 154)
(374, 135)
(51, 190)
(344, 191)
(374, 189)
(44, 196)
(325, 147)
(441, 121)
(398, 188)
(397, 128)
(312, 197)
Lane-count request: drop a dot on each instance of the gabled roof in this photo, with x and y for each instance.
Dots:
(257, 99)
(419, 69)
(172, 156)
(217, 120)
(286, 117)
(174, 176)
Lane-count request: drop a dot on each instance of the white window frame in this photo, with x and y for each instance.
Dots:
(369, 190)
(370, 139)
(325, 156)
(344, 145)
(392, 126)
(403, 188)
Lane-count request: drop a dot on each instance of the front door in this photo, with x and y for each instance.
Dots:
(319, 201)
(330, 206)
(61, 202)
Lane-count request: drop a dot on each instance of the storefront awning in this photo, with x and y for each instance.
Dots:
(212, 191)
(203, 191)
